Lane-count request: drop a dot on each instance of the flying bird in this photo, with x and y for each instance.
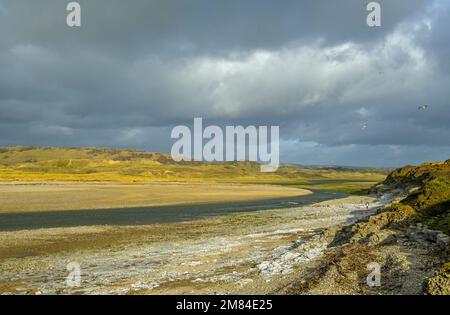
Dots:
(423, 107)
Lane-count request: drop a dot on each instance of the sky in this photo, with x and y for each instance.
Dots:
(342, 93)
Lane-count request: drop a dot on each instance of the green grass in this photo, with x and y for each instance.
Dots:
(432, 200)
(351, 187)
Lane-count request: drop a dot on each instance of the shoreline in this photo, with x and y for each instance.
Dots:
(298, 250)
(223, 254)
(68, 196)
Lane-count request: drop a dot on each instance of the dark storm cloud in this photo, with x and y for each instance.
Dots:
(201, 26)
(136, 68)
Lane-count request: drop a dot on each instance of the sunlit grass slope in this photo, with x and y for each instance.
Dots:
(128, 166)
(431, 201)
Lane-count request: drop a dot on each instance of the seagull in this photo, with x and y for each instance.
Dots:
(364, 126)
(423, 107)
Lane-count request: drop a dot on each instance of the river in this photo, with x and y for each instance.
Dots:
(152, 214)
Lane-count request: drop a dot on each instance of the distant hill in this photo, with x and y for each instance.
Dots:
(121, 165)
(347, 168)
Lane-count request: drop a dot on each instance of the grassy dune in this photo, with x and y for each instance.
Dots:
(132, 166)
(430, 202)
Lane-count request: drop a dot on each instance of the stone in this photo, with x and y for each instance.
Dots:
(389, 240)
(245, 281)
(430, 235)
(381, 237)
(442, 241)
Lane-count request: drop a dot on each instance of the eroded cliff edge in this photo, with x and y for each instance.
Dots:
(408, 239)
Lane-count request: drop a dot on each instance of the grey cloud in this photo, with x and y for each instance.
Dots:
(135, 69)
(200, 26)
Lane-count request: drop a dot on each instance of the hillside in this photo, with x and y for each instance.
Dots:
(103, 164)
(423, 218)
(429, 192)
(407, 238)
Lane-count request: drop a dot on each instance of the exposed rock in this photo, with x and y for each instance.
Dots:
(245, 281)
(395, 264)
(385, 237)
(394, 271)
(371, 231)
(389, 239)
(430, 235)
(421, 233)
(284, 259)
(443, 241)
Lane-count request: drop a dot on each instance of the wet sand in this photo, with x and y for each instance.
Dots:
(62, 196)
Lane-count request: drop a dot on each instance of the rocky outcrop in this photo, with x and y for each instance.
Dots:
(421, 232)
(376, 229)
(396, 239)
(407, 239)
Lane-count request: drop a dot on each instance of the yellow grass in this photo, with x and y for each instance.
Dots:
(130, 166)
